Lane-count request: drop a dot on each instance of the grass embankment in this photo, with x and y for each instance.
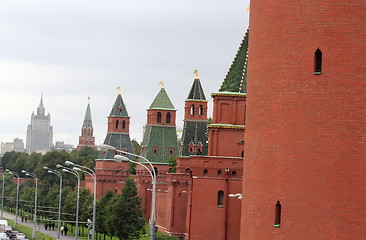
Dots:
(28, 232)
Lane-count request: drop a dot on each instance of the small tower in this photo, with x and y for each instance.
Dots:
(160, 136)
(194, 138)
(226, 133)
(87, 138)
(118, 134)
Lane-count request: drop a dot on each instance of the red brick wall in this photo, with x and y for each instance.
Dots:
(304, 133)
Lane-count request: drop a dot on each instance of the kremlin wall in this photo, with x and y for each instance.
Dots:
(286, 141)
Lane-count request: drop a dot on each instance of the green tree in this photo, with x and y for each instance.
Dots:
(101, 222)
(172, 161)
(126, 213)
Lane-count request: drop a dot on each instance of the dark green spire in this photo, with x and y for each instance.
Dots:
(196, 92)
(162, 101)
(236, 78)
(119, 108)
(87, 119)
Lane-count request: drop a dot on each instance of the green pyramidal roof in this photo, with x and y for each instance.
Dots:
(119, 108)
(162, 101)
(87, 119)
(236, 78)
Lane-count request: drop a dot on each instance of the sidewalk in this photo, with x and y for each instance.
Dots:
(40, 228)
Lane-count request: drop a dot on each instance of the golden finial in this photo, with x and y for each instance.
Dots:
(162, 84)
(119, 90)
(88, 100)
(196, 72)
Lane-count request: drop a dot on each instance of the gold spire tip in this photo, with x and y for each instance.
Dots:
(162, 84)
(119, 90)
(196, 72)
(88, 100)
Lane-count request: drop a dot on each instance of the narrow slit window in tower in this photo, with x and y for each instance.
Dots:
(192, 109)
(200, 112)
(123, 124)
(168, 117)
(117, 123)
(220, 198)
(159, 117)
(277, 214)
(318, 55)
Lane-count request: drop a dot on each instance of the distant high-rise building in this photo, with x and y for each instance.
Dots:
(87, 138)
(17, 145)
(39, 132)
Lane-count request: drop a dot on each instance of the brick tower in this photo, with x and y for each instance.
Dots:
(305, 143)
(160, 136)
(118, 134)
(87, 138)
(228, 122)
(194, 138)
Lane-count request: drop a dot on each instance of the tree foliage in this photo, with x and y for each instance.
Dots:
(125, 213)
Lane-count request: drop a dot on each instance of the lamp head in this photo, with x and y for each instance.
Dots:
(119, 158)
(49, 171)
(77, 169)
(59, 166)
(23, 171)
(7, 170)
(65, 170)
(105, 147)
(69, 163)
(45, 168)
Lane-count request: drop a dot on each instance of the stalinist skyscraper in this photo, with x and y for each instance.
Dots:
(39, 132)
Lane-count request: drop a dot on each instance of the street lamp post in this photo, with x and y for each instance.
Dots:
(34, 234)
(153, 177)
(92, 174)
(76, 173)
(17, 199)
(59, 200)
(2, 198)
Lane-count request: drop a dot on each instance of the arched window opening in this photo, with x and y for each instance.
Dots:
(117, 123)
(159, 117)
(155, 150)
(200, 111)
(171, 150)
(188, 170)
(220, 198)
(192, 109)
(233, 174)
(205, 172)
(123, 124)
(156, 171)
(168, 117)
(277, 222)
(190, 149)
(318, 55)
(219, 173)
(242, 154)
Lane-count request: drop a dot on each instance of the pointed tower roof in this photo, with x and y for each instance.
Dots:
(196, 92)
(119, 108)
(41, 110)
(162, 101)
(236, 78)
(87, 119)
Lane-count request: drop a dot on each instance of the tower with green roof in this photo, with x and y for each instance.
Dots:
(194, 137)
(118, 134)
(160, 135)
(87, 138)
(226, 132)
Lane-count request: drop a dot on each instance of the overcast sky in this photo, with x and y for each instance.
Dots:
(69, 50)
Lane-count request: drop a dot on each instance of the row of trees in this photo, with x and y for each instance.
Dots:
(117, 215)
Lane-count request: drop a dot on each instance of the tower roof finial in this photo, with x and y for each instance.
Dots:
(88, 100)
(196, 72)
(119, 90)
(162, 84)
